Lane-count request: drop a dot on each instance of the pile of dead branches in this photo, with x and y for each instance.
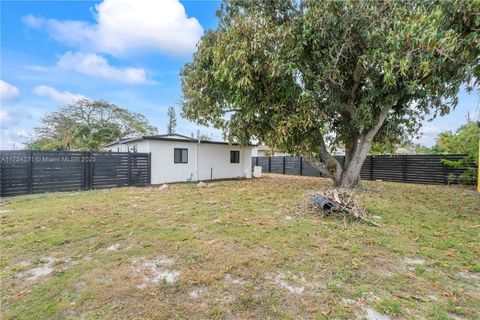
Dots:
(339, 201)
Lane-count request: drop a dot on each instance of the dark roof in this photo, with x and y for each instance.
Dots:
(167, 137)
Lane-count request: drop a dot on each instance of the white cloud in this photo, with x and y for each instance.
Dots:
(430, 129)
(8, 92)
(92, 64)
(125, 26)
(37, 68)
(428, 134)
(12, 116)
(13, 138)
(4, 115)
(64, 97)
(33, 22)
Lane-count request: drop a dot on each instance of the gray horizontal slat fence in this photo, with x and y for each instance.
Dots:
(427, 169)
(308, 169)
(276, 165)
(388, 168)
(26, 171)
(55, 171)
(14, 177)
(291, 165)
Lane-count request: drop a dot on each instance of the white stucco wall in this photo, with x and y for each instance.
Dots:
(141, 145)
(163, 167)
(213, 160)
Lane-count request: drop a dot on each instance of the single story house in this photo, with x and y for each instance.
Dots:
(176, 158)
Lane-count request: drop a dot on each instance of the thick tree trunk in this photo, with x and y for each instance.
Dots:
(356, 152)
(332, 169)
(347, 176)
(325, 163)
(351, 171)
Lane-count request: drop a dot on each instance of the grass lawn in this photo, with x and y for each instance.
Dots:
(240, 250)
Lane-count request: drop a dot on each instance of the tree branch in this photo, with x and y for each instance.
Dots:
(317, 164)
(350, 148)
(230, 110)
(381, 119)
(327, 165)
(353, 91)
(324, 154)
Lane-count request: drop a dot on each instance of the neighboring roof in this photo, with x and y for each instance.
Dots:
(167, 137)
(403, 150)
(263, 148)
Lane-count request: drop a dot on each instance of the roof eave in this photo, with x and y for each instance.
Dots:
(164, 138)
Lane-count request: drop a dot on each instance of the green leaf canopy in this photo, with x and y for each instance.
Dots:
(87, 125)
(299, 75)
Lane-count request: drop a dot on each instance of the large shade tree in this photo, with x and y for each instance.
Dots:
(309, 76)
(87, 125)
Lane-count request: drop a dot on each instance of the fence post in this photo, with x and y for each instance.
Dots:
(91, 165)
(301, 166)
(269, 164)
(30, 173)
(149, 168)
(445, 178)
(371, 167)
(283, 164)
(129, 168)
(83, 164)
(404, 165)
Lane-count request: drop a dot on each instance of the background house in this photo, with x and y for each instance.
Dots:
(266, 151)
(178, 158)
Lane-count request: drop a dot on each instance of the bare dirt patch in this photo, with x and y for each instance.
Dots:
(414, 261)
(44, 268)
(197, 293)
(372, 314)
(114, 247)
(290, 282)
(230, 279)
(155, 271)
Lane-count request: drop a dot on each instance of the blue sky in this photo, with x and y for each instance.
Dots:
(56, 51)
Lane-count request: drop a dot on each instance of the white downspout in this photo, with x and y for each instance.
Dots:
(198, 143)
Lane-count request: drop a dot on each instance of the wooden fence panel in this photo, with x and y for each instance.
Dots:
(292, 165)
(263, 162)
(425, 169)
(23, 172)
(308, 169)
(140, 170)
(367, 169)
(110, 170)
(56, 171)
(276, 165)
(388, 168)
(14, 177)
